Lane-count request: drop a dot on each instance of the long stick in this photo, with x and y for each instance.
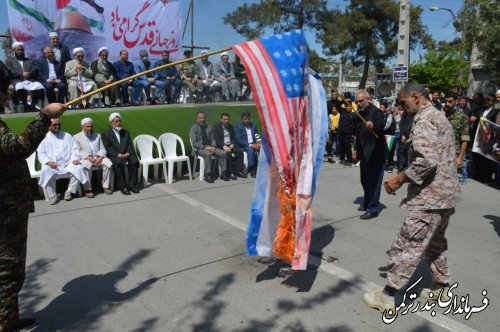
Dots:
(364, 121)
(126, 79)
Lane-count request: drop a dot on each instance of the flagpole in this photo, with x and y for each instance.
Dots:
(364, 121)
(126, 79)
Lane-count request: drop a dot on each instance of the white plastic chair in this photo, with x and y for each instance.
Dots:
(168, 143)
(144, 145)
(35, 174)
(202, 163)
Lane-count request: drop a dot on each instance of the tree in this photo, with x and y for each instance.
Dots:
(366, 32)
(440, 69)
(251, 21)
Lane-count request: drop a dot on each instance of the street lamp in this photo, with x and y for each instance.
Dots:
(456, 21)
(459, 26)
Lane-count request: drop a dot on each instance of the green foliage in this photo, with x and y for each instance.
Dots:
(440, 69)
(251, 21)
(481, 23)
(366, 32)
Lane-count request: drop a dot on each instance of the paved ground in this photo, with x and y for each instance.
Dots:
(172, 258)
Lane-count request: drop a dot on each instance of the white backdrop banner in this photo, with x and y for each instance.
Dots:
(134, 25)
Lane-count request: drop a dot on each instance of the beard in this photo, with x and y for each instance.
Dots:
(117, 128)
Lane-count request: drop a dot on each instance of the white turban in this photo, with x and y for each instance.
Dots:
(113, 116)
(86, 120)
(498, 92)
(78, 49)
(53, 34)
(104, 48)
(17, 44)
(204, 52)
(224, 53)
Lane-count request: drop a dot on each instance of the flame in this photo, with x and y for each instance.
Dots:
(284, 242)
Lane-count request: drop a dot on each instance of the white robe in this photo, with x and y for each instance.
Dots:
(63, 150)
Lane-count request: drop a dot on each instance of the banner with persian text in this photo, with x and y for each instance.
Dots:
(134, 25)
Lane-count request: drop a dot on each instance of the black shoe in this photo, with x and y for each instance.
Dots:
(125, 191)
(253, 174)
(368, 215)
(209, 178)
(242, 175)
(135, 189)
(233, 177)
(361, 208)
(224, 177)
(26, 324)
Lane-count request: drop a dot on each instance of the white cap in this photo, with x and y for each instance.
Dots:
(104, 48)
(204, 52)
(498, 92)
(86, 120)
(224, 53)
(113, 116)
(53, 34)
(78, 49)
(17, 44)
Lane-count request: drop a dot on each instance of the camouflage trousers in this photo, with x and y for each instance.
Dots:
(198, 87)
(13, 238)
(421, 236)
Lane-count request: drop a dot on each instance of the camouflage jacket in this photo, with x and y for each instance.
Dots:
(460, 123)
(15, 191)
(432, 171)
(189, 69)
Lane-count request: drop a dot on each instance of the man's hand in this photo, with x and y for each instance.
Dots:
(403, 139)
(369, 125)
(26, 75)
(459, 163)
(76, 162)
(227, 148)
(98, 160)
(54, 110)
(393, 183)
(210, 149)
(472, 119)
(91, 159)
(51, 164)
(255, 146)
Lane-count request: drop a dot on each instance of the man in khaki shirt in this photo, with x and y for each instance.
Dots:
(433, 193)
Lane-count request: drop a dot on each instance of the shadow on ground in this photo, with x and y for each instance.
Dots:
(86, 299)
(495, 221)
(301, 280)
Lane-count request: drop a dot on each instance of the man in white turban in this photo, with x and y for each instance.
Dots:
(61, 52)
(120, 150)
(224, 72)
(93, 156)
(60, 158)
(79, 77)
(24, 73)
(105, 74)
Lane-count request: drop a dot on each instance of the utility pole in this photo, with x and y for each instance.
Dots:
(190, 15)
(404, 37)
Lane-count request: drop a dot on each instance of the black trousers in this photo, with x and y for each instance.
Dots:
(122, 180)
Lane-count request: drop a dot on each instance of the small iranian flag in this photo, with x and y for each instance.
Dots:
(389, 139)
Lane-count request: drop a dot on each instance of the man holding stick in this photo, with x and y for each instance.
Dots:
(370, 148)
(16, 203)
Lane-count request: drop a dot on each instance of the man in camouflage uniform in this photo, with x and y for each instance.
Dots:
(460, 123)
(189, 76)
(433, 193)
(15, 205)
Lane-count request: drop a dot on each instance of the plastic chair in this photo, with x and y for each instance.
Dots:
(144, 145)
(202, 163)
(168, 142)
(35, 174)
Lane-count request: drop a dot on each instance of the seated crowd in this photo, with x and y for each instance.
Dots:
(63, 156)
(60, 75)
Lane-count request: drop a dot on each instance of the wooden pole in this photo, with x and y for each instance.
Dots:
(364, 121)
(126, 79)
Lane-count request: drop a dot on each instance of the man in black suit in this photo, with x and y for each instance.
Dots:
(61, 52)
(371, 152)
(120, 150)
(223, 134)
(51, 75)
